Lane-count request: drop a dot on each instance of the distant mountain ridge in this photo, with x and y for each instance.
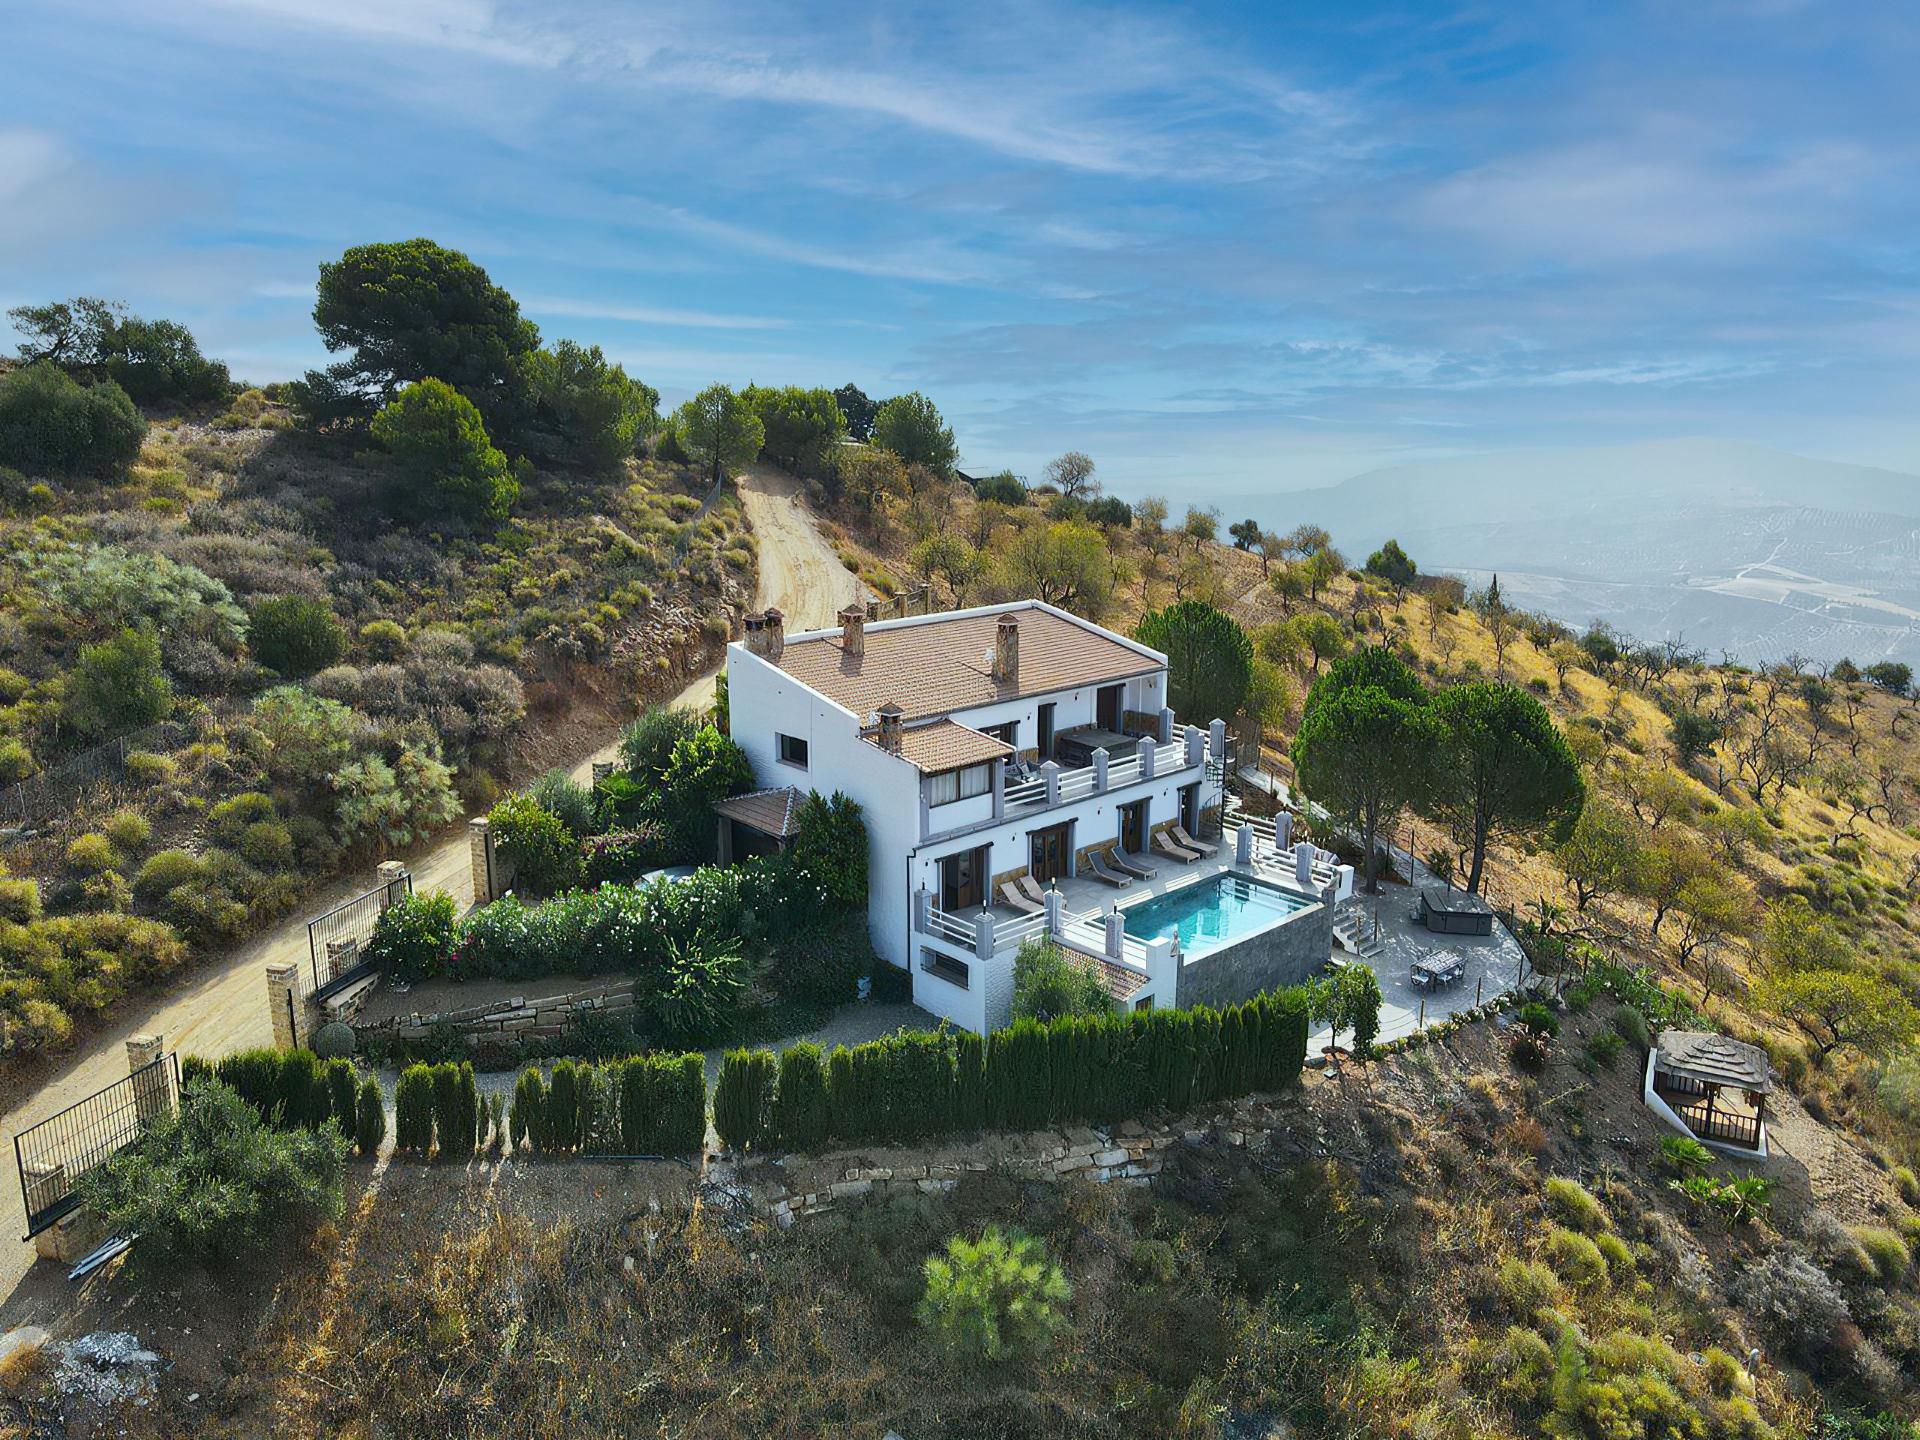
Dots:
(1740, 548)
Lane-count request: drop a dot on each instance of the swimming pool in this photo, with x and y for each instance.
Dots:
(1212, 913)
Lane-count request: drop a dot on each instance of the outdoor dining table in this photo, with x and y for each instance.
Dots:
(1437, 970)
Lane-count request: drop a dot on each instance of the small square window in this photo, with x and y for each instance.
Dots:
(793, 751)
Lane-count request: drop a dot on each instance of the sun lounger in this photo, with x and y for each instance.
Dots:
(1030, 887)
(1187, 842)
(1127, 865)
(1011, 897)
(1097, 863)
(1166, 845)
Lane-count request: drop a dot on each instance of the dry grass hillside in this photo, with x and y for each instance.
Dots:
(232, 671)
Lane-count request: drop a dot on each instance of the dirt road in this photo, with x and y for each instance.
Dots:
(223, 1007)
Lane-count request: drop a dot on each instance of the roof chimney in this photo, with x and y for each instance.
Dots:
(756, 634)
(775, 635)
(891, 716)
(1006, 651)
(853, 630)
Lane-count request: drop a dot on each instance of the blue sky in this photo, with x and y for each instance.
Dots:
(1224, 249)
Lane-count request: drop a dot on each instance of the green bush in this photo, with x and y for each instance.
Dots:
(92, 854)
(527, 1121)
(542, 850)
(1575, 1205)
(19, 901)
(560, 795)
(213, 1184)
(969, 1108)
(1631, 1026)
(743, 1098)
(413, 1110)
(384, 639)
(622, 856)
(16, 760)
(414, 937)
(295, 635)
(1536, 1016)
(50, 423)
(129, 831)
(1887, 1252)
(997, 1299)
(440, 445)
(369, 1117)
(1574, 1257)
(830, 847)
(705, 768)
(1047, 985)
(117, 686)
(692, 995)
(1684, 1155)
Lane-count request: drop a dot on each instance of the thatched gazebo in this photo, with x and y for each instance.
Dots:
(1712, 1087)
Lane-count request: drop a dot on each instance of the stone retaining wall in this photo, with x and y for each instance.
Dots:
(512, 1019)
(1126, 1154)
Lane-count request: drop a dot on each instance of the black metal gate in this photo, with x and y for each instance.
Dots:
(60, 1149)
(337, 940)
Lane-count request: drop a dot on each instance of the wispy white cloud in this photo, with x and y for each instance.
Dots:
(588, 309)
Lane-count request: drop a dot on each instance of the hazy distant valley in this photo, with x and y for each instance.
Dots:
(1737, 548)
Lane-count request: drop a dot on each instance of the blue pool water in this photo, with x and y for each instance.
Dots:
(1211, 913)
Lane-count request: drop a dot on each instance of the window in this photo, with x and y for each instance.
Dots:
(954, 972)
(959, 784)
(793, 751)
(1006, 734)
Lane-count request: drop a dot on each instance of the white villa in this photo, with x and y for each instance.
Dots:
(1005, 756)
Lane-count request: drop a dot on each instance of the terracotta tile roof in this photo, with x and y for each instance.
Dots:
(1118, 981)
(947, 745)
(936, 666)
(1714, 1058)
(771, 812)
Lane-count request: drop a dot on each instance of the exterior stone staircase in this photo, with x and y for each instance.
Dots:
(1353, 929)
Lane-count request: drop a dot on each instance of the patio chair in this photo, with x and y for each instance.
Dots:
(1127, 865)
(1104, 873)
(1165, 844)
(1030, 887)
(1013, 899)
(1186, 841)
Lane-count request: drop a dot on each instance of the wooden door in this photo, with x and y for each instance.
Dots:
(1047, 860)
(962, 883)
(1107, 707)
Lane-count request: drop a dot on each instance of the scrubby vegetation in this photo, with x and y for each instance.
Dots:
(228, 625)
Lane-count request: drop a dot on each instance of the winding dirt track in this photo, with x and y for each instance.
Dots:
(222, 1007)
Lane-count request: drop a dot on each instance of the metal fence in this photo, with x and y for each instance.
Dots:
(59, 1150)
(57, 790)
(337, 940)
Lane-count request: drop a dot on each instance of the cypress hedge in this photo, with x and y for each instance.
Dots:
(288, 1088)
(370, 1117)
(342, 1084)
(413, 1110)
(645, 1105)
(801, 1116)
(527, 1121)
(1032, 1074)
(563, 1108)
(743, 1098)
(662, 1102)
